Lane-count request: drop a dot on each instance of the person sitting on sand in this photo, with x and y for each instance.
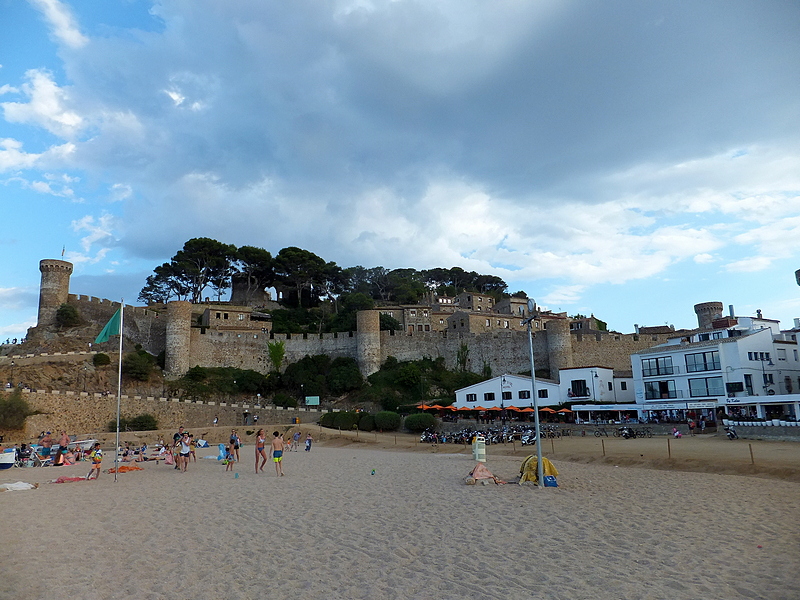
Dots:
(277, 452)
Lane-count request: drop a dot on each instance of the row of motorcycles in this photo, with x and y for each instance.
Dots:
(526, 436)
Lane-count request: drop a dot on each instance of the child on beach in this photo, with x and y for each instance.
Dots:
(96, 457)
(230, 458)
(277, 452)
(296, 441)
(309, 439)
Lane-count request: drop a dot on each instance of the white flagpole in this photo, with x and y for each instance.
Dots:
(119, 385)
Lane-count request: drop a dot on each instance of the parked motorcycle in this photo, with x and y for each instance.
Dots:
(731, 433)
(626, 433)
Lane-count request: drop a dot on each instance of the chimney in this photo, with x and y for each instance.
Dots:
(758, 313)
(796, 323)
(730, 311)
(636, 327)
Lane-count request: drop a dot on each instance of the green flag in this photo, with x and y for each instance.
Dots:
(111, 328)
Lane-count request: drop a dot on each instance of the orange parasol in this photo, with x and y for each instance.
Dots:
(565, 410)
(546, 409)
(511, 408)
(465, 408)
(495, 408)
(527, 410)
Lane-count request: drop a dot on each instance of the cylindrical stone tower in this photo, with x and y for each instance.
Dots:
(706, 312)
(559, 346)
(178, 339)
(54, 289)
(368, 341)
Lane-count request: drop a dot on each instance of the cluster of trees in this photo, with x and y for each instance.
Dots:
(305, 279)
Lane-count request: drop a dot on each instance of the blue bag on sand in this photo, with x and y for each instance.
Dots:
(550, 481)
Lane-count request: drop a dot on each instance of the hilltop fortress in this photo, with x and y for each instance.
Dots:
(223, 334)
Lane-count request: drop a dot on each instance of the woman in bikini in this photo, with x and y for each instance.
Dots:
(260, 452)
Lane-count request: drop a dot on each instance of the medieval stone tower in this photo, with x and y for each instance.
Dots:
(178, 338)
(54, 289)
(706, 313)
(559, 346)
(368, 325)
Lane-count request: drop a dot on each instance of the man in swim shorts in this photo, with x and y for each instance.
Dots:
(277, 452)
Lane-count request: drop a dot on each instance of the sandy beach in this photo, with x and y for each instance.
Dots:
(331, 529)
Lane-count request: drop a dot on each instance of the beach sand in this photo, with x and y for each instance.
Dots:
(330, 529)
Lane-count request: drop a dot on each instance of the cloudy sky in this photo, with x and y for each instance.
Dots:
(626, 158)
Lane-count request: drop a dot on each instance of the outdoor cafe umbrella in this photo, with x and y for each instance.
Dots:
(546, 409)
(565, 410)
(495, 408)
(527, 410)
(512, 408)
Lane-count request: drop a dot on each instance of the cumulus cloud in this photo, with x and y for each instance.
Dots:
(47, 106)
(427, 134)
(61, 22)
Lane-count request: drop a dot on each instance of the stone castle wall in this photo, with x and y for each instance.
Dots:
(84, 414)
(611, 349)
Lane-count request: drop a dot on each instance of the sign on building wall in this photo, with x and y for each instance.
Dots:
(312, 400)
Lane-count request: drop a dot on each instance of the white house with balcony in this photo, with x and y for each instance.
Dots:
(507, 390)
(744, 361)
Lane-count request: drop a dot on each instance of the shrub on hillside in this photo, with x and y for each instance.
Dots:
(101, 359)
(138, 365)
(67, 316)
(284, 400)
(143, 422)
(13, 410)
(387, 420)
(326, 420)
(420, 422)
(366, 422)
(346, 420)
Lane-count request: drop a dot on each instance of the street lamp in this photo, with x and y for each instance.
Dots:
(12, 373)
(529, 323)
(764, 358)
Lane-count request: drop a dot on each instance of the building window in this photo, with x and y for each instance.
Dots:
(472, 397)
(524, 394)
(441, 321)
(219, 315)
(658, 390)
(703, 361)
(241, 317)
(478, 308)
(488, 323)
(657, 366)
(768, 379)
(505, 324)
(781, 353)
(623, 385)
(224, 316)
(419, 327)
(579, 389)
(489, 396)
(507, 396)
(427, 327)
(795, 354)
(541, 393)
(706, 386)
(610, 387)
(425, 313)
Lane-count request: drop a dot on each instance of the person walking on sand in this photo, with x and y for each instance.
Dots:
(96, 457)
(216, 420)
(309, 439)
(46, 444)
(691, 427)
(296, 441)
(235, 442)
(277, 452)
(261, 440)
(185, 453)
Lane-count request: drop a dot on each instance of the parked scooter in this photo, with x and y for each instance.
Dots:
(626, 433)
(731, 433)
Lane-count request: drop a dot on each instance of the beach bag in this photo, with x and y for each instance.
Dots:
(550, 481)
(168, 460)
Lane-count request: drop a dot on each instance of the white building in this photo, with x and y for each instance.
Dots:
(578, 384)
(507, 390)
(744, 361)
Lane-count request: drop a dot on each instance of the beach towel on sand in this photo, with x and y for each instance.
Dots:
(479, 472)
(18, 486)
(529, 466)
(126, 469)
